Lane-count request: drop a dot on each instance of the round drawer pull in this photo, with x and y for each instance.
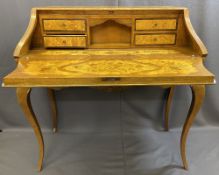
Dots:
(111, 12)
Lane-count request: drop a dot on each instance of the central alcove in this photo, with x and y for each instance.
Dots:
(110, 33)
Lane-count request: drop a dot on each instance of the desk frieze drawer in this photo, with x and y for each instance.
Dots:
(70, 41)
(111, 79)
(155, 24)
(61, 25)
(155, 39)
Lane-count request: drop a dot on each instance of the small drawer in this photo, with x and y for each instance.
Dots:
(155, 24)
(68, 25)
(155, 39)
(67, 41)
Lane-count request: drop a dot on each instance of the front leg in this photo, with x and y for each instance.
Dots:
(23, 95)
(198, 93)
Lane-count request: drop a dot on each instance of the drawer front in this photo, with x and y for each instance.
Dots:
(65, 41)
(64, 25)
(155, 24)
(155, 39)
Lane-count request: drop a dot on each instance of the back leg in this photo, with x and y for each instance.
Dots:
(52, 99)
(170, 93)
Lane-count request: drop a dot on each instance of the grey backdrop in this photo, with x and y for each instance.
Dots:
(112, 133)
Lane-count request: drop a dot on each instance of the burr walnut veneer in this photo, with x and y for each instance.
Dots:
(109, 46)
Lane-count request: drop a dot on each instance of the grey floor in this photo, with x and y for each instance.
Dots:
(149, 152)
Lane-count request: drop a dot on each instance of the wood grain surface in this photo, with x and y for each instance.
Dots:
(88, 67)
(155, 39)
(64, 25)
(155, 24)
(63, 41)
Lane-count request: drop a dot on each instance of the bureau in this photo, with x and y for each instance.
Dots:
(109, 47)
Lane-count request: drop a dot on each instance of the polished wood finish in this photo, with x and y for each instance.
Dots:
(70, 41)
(170, 93)
(24, 44)
(198, 93)
(155, 24)
(62, 25)
(118, 23)
(52, 100)
(107, 47)
(110, 33)
(155, 39)
(194, 40)
(23, 96)
(89, 68)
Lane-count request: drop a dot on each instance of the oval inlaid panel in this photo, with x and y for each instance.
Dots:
(103, 67)
(92, 67)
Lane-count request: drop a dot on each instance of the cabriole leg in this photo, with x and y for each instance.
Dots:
(23, 95)
(52, 99)
(198, 93)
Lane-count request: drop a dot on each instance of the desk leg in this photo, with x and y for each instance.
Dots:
(23, 95)
(51, 94)
(170, 92)
(198, 93)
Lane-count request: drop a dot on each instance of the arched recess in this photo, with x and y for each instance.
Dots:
(110, 33)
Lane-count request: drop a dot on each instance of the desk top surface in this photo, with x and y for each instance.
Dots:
(99, 68)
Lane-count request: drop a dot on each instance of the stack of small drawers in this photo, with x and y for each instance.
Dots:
(72, 33)
(155, 32)
(64, 33)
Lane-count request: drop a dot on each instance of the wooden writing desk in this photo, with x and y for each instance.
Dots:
(69, 47)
